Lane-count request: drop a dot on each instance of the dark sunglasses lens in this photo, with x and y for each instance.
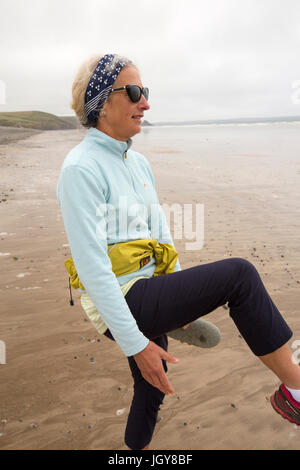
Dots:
(146, 93)
(134, 93)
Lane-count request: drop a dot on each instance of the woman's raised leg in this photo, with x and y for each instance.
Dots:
(163, 303)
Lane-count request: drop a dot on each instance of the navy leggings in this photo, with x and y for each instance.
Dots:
(163, 303)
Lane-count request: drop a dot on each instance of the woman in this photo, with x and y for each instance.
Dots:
(100, 178)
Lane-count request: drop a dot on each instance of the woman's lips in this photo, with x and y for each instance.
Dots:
(138, 118)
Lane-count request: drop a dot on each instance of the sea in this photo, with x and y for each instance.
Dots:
(276, 139)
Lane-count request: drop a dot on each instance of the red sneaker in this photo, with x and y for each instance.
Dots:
(283, 402)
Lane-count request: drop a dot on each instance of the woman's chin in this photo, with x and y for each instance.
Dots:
(136, 128)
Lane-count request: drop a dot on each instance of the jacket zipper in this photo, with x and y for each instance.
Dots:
(132, 180)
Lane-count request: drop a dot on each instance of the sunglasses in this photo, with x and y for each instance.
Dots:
(134, 92)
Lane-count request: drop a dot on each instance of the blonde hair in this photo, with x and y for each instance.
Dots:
(80, 84)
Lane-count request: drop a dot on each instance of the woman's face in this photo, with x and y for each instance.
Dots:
(123, 118)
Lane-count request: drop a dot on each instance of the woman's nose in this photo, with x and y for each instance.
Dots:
(143, 103)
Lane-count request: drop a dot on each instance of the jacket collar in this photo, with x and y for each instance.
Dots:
(116, 146)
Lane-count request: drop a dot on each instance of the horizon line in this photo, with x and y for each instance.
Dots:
(190, 121)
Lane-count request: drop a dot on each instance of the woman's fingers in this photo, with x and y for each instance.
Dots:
(149, 361)
(159, 378)
(165, 384)
(160, 381)
(168, 357)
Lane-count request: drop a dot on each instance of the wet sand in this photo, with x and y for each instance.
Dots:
(13, 134)
(65, 387)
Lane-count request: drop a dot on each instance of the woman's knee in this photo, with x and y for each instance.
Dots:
(244, 267)
(247, 282)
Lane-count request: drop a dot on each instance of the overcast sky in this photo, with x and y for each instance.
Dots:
(201, 59)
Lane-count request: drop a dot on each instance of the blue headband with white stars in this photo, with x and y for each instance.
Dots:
(100, 84)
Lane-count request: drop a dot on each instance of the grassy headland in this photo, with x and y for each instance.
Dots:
(22, 124)
(37, 120)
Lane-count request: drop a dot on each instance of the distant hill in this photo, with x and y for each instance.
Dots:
(38, 120)
(146, 123)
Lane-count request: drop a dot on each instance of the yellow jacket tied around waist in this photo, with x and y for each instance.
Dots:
(126, 257)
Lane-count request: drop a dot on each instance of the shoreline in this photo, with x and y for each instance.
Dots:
(230, 124)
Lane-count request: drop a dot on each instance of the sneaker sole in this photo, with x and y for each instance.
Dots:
(199, 333)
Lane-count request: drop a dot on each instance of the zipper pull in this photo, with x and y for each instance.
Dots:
(71, 298)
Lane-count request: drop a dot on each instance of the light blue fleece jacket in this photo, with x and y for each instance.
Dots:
(107, 195)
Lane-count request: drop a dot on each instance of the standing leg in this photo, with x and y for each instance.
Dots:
(145, 405)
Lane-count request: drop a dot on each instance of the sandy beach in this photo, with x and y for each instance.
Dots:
(63, 386)
(13, 134)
